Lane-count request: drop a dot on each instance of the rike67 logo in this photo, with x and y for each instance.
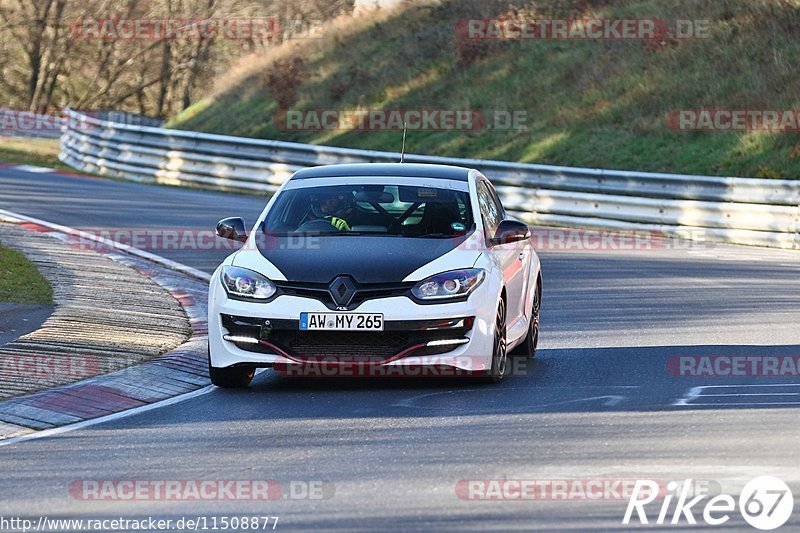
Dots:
(765, 503)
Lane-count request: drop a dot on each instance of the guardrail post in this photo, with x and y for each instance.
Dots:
(797, 228)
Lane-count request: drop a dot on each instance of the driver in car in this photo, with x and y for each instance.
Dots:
(333, 207)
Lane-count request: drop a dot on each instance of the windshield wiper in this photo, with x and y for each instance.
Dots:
(431, 236)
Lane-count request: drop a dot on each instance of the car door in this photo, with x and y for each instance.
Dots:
(518, 278)
(512, 258)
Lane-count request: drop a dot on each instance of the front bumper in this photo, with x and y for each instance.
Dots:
(281, 345)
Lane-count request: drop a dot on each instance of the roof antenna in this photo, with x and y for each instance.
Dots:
(403, 150)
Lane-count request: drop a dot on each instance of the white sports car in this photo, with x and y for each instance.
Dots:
(376, 269)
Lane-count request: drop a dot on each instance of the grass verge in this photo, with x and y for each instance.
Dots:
(34, 151)
(594, 103)
(20, 281)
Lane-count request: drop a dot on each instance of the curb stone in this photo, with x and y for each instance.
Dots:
(180, 370)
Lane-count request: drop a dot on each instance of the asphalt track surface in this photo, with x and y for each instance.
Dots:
(17, 320)
(598, 403)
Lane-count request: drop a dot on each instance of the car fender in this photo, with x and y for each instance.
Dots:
(536, 271)
(494, 279)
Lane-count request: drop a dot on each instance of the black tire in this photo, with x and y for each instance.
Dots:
(232, 377)
(499, 352)
(527, 348)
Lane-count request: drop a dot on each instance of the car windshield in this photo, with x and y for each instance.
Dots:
(391, 210)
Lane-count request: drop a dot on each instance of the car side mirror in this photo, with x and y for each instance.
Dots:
(511, 231)
(232, 228)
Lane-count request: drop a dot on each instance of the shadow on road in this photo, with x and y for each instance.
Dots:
(558, 380)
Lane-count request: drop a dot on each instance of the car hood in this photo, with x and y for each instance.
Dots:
(368, 259)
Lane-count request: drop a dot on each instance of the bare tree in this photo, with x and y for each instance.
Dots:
(47, 61)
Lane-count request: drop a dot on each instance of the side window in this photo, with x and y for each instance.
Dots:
(490, 207)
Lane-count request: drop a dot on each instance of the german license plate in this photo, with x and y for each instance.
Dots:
(341, 321)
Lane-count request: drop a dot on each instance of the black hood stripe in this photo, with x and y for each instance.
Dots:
(366, 259)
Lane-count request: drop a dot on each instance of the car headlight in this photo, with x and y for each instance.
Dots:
(246, 283)
(452, 284)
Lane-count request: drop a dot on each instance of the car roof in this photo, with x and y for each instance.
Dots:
(405, 170)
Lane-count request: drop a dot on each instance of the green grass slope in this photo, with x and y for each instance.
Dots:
(594, 103)
(20, 282)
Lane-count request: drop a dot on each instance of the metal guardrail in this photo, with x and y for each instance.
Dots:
(762, 212)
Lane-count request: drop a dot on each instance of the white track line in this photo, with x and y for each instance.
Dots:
(10, 216)
(741, 404)
(33, 169)
(108, 418)
(696, 393)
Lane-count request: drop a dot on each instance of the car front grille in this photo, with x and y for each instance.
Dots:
(345, 346)
(363, 292)
(352, 346)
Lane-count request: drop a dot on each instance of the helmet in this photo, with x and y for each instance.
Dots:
(331, 202)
